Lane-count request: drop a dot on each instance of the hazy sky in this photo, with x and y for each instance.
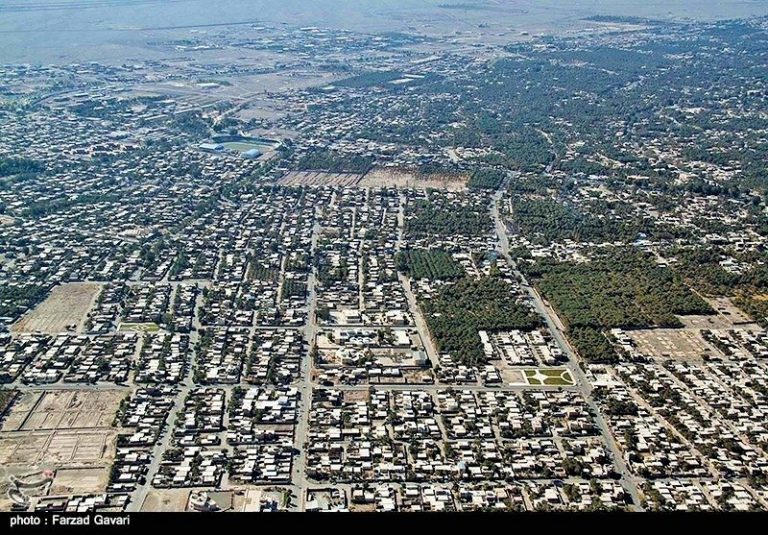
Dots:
(84, 30)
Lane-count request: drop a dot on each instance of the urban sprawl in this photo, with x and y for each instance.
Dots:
(389, 273)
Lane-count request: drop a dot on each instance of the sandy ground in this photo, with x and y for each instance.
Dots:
(68, 432)
(705, 322)
(165, 501)
(67, 304)
(728, 311)
(81, 460)
(314, 178)
(680, 344)
(66, 409)
(80, 480)
(57, 449)
(405, 179)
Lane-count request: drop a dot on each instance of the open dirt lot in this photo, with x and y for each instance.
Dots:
(65, 409)
(352, 396)
(66, 431)
(67, 304)
(510, 376)
(706, 322)
(728, 311)
(314, 178)
(79, 480)
(679, 344)
(399, 178)
(165, 501)
(80, 459)
(53, 449)
(250, 500)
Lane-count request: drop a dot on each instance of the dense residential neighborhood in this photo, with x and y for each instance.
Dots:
(520, 277)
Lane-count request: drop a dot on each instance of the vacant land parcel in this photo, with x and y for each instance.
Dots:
(66, 305)
(679, 344)
(399, 178)
(66, 432)
(317, 178)
(64, 409)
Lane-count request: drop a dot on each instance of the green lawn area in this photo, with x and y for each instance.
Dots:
(244, 146)
(544, 377)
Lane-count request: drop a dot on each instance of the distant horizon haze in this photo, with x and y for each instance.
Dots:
(62, 31)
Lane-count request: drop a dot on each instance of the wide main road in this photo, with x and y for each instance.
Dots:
(301, 434)
(555, 327)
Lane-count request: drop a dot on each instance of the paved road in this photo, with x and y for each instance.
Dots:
(555, 327)
(140, 494)
(301, 432)
(413, 306)
(435, 387)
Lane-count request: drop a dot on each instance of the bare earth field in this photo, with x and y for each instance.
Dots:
(241, 86)
(399, 178)
(64, 409)
(678, 344)
(55, 449)
(80, 480)
(706, 322)
(314, 178)
(165, 501)
(80, 462)
(67, 304)
(510, 375)
(67, 431)
(727, 310)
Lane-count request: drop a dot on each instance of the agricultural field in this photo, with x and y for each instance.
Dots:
(66, 306)
(621, 289)
(460, 310)
(441, 216)
(618, 291)
(429, 264)
(486, 178)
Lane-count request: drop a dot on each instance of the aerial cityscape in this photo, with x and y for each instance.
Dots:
(396, 257)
